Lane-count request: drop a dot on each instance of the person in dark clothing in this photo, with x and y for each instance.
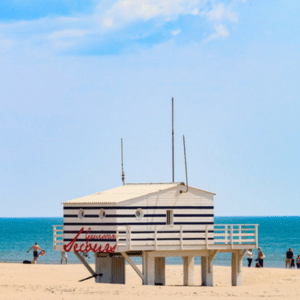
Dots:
(289, 256)
(293, 263)
(298, 261)
(260, 256)
(35, 248)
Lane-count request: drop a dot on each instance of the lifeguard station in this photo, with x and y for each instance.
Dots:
(153, 221)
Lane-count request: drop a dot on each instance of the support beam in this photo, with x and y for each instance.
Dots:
(204, 270)
(243, 253)
(112, 268)
(144, 266)
(82, 259)
(236, 267)
(133, 265)
(188, 270)
(210, 259)
(150, 269)
(160, 271)
(207, 268)
(84, 262)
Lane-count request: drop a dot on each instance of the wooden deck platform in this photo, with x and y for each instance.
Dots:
(224, 238)
(159, 242)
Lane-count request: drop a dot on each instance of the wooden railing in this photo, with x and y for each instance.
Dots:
(160, 237)
(236, 234)
(227, 236)
(58, 235)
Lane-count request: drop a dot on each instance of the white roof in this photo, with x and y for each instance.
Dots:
(124, 192)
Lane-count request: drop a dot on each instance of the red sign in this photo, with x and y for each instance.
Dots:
(99, 236)
(87, 246)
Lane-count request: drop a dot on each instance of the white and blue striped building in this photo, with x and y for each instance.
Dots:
(142, 210)
(154, 221)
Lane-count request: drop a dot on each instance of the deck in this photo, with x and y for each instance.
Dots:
(223, 237)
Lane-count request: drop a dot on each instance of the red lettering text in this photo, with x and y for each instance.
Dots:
(86, 247)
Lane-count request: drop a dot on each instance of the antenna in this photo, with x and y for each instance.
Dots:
(186, 174)
(123, 174)
(173, 176)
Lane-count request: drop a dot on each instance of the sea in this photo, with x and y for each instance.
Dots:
(275, 236)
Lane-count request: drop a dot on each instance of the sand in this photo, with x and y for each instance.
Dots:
(18, 281)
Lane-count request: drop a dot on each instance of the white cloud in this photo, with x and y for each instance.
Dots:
(220, 13)
(58, 33)
(195, 12)
(220, 16)
(127, 11)
(175, 32)
(220, 31)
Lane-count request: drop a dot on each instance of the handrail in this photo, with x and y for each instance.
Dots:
(220, 234)
(236, 225)
(58, 233)
(179, 236)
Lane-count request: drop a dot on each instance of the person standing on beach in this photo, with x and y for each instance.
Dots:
(260, 256)
(298, 261)
(250, 257)
(293, 263)
(289, 256)
(64, 256)
(35, 248)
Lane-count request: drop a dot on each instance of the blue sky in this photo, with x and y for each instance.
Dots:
(76, 78)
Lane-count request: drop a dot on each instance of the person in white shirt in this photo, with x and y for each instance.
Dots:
(63, 256)
(250, 257)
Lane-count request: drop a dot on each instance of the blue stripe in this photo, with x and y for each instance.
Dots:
(137, 207)
(136, 223)
(146, 215)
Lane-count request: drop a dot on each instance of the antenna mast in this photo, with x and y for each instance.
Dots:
(173, 177)
(186, 174)
(123, 174)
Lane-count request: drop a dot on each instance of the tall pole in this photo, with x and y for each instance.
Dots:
(123, 174)
(186, 174)
(173, 176)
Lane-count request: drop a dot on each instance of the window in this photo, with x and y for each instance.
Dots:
(169, 217)
(139, 213)
(102, 214)
(81, 214)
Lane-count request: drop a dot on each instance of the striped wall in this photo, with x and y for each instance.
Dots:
(193, 214)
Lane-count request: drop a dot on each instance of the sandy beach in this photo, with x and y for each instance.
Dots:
(20, 281)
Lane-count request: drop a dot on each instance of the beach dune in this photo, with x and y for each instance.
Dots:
(20, 281)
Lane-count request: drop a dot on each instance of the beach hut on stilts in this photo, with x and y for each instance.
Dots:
(152, 221)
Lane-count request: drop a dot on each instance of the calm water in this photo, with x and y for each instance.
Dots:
(275, 235)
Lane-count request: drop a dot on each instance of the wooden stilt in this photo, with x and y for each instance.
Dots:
(103, 265)
(188, 270)
(144, 266)
(112, 268)
(160, 272)
(207, 268)
(236, 267)
(150, 269)
(204, 270)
